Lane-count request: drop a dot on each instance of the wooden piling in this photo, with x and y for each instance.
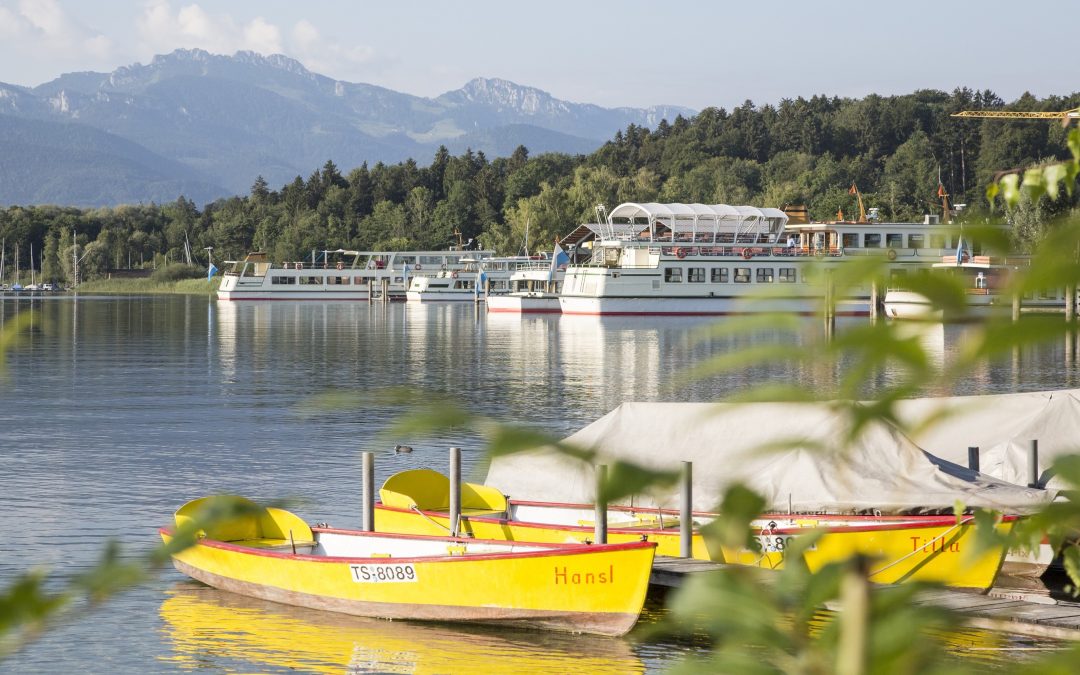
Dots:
(686, 511)
(1033, 464)
(455, 490)
(368, 492)
(600, 526)
(1070, 303)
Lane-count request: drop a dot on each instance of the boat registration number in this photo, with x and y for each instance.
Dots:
(778, 543)
(389, 573)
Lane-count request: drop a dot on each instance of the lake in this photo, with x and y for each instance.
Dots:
(117, 410)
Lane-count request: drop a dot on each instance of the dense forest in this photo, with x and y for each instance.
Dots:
(802, 151)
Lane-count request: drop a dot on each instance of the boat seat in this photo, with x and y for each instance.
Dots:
(429, 490)
(254, 523)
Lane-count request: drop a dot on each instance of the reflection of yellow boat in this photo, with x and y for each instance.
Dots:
(273, 555)
(922, 548)
(209, 628)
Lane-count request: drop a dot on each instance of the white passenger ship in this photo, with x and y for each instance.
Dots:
(533, 290)
(477, 280)
(697, 259)
(339, 275)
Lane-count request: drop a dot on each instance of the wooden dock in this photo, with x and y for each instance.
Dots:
(1003, 609)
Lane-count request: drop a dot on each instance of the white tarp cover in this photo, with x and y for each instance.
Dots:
(883, 471)
(1002, 427)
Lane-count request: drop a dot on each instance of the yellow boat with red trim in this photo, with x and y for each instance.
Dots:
(935, 548)
(272, 554)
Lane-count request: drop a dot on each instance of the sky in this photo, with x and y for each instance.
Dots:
(611, 53)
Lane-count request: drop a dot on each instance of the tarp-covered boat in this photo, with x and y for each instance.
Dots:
(272, 554)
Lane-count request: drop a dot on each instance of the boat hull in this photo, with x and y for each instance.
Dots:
(908, 549)
(581, 589)
(525, 303)
(705, 306)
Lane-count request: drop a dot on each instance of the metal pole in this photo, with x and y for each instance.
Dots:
(1016, 307)
(973, 457)
(600, 530)
(686, 516)
(1033, 464)
(455, 490)
(368, 492)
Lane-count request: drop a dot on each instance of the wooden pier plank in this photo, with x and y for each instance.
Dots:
(1003, 610)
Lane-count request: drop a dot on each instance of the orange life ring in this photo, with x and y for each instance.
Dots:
(340, 265)
(891, 254)
(418, 266)
(681, 252)
(299, 265)
(453, 275)
(747, 254)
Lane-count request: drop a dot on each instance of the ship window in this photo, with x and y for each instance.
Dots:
(765, 275)
(719, 275)
(916, 241)
(742, 275)
(337, 281)
(444, 284)
(872, 240)
(673, 275)
(283, 280)
(787, 275)
(696, 275)
(311, 281)
(851, 240)
(894, 240)
(399, 280)
(937, 241)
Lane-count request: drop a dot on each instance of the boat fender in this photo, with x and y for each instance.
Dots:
(747, 254)
(891, 254)
(340, 265)
(681, 252)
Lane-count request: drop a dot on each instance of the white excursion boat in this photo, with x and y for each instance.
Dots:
(985, 281)
(698, 259)
(478, 279)
(339, 275)
(533, 290)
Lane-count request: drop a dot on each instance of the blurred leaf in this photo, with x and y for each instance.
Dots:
(1010, 189)
(625, 479)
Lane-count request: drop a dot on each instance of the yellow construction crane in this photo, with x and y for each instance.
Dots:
(1065, 115)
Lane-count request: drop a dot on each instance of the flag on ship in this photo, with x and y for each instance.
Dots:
(559, 259)
(481, 277)
(211, 271)
(405, 276)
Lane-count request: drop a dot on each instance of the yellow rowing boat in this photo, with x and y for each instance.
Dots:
(938, 548)
(274, 555)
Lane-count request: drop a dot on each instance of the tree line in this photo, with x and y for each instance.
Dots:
(896, 149)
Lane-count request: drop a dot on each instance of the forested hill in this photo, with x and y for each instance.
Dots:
(798, 152)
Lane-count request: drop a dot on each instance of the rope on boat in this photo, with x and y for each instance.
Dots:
(428, 518)
(901, 559)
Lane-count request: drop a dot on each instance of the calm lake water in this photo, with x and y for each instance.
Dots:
(117, 410)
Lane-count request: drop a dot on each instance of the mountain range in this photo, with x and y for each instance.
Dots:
(205, 126)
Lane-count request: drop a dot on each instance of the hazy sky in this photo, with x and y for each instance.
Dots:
(632, 53)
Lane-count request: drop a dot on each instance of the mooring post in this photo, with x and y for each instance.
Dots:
(455, 490)
(686, 511)
(1070, 303)
(874, 301)
(973, 457)
(386, 289)
(370, 289)
(600, 529)
(830, 306)
(368, 492)
(1033, 464)
(1016, 307)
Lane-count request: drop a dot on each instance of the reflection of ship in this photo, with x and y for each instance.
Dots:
(211, 628)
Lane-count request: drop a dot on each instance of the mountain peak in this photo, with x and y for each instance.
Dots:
(506, 95)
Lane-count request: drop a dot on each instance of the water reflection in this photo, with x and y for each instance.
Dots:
(213, 630)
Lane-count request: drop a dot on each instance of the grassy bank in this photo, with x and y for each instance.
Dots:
(150, 286)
